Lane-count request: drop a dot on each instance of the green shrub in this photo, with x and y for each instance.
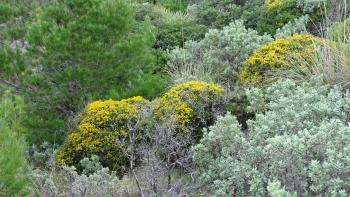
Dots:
(173, 5)
(280, 12)
(13, 17)
(216, 13)
(218, 57)
(83, 51)
(276, 16)
(173, 28)
(13, 180)
(253, 11)
(299, 138)
(12, 63)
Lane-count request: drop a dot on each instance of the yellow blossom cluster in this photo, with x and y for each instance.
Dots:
(272, 4)
(182, 102)
(102, 123)
(278, 55)
(87, 141)
(116, 114)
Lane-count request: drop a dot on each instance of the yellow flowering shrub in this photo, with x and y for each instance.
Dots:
(88, 141)
(278, 55)
(102, 122)
(272, 4)
(189, 104)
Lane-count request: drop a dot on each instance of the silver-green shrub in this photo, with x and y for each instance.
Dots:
(218, 56)
(275, 190)
(298, 26)
(95, 181)
(300, 138)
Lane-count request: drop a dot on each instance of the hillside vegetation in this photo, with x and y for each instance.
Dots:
(104, 98)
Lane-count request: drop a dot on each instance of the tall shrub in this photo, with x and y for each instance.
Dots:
(13, 180)
(83, 50)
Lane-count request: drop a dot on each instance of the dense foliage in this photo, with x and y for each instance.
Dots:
(75, 45)
(299, 137)
(13, 180)
(173, 29)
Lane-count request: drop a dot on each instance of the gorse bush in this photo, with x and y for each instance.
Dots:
(190, 106)
(82, 51)
(87, 141)
(299, 138)
(216, 58)
(278, 55)
(13, 180)
(102, 123)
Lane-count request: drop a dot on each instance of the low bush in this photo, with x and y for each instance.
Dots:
(95, 180)
(190, 106)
